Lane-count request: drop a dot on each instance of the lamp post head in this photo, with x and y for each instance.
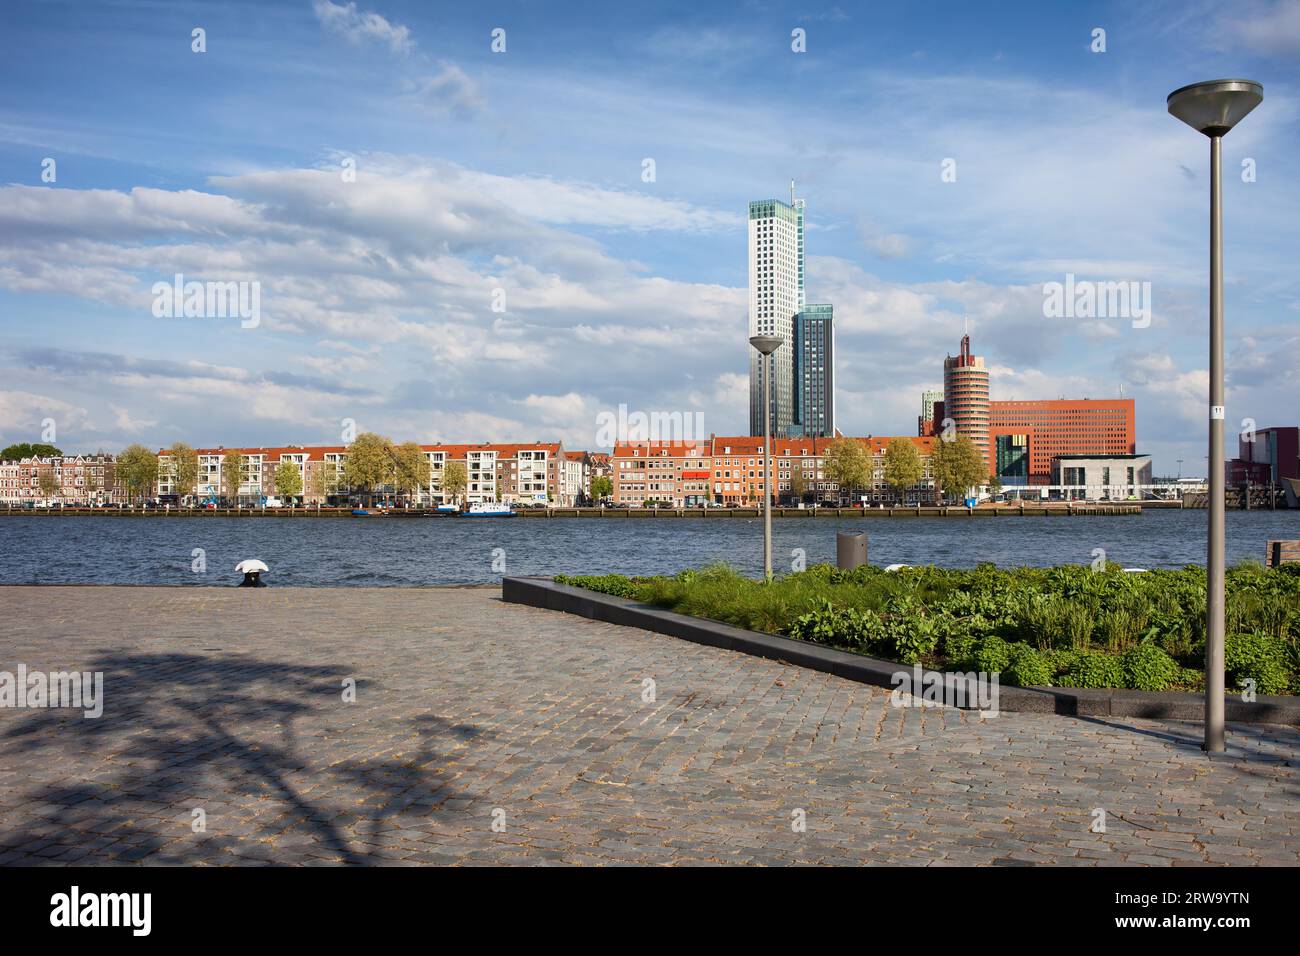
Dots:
(766, 344)
(1215, 106)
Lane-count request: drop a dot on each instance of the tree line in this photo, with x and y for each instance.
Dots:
(955, 465)
(375, 465)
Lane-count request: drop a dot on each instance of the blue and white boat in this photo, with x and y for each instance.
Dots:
(488, 509)
(447, 509)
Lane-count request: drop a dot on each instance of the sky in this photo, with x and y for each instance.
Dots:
(452, 242)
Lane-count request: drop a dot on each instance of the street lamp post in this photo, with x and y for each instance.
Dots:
(1213, 108)
(766, 345)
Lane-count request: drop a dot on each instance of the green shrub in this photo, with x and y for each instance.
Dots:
(1261, 657)
(616, 584)
(1278, 615)
(958, 636)
(1148, 667)
(1061, 659)
(1076, 624)
(1121, 627)
(968, 616)
(990, 654)
(910, 633)
(839, 627)
(1028, 667)
(1037, 618)
(908, 639)
(1091, 669)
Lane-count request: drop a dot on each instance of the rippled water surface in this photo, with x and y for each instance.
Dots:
(391, 551)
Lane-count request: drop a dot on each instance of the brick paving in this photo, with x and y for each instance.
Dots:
(471, 712)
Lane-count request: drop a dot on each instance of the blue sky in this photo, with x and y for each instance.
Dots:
(521, 171)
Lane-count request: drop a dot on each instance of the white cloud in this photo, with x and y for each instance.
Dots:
(24, 414)
(885, 245)
(358, 26)
(1271, 28)
(449, 91)
(380, 294)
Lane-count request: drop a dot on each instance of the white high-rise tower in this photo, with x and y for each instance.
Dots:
(776, 294)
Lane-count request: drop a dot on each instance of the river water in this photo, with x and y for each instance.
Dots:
(406, 552)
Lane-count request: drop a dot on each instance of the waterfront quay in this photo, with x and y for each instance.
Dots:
(442, 726)
(1067, 509)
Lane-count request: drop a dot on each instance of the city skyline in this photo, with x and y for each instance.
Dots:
(620, 280)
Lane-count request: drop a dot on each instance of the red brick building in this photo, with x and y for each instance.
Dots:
(1265, 456)
(1067, 426)
(729, 471)
(60, 479)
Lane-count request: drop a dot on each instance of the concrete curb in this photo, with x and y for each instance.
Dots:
(1076, 702)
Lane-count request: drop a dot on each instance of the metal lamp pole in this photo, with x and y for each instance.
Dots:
(1213, 108)
(766, 345)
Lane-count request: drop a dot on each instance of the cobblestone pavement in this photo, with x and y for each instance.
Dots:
(469, 711)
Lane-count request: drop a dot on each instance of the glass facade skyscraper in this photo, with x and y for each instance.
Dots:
(814, 371)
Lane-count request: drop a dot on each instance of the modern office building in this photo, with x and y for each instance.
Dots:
(775, 293)
(1110, 477)
(1011, 463)
(966, 396)
(1266, 456)
(1068, 426)
(814, 371)
(931, 401)
(801, 371)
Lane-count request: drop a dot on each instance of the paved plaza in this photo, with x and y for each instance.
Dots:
(489, 733)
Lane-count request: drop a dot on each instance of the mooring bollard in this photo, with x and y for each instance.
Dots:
(850, 549)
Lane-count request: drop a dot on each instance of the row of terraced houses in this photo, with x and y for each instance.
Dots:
(717, 470)
(537, 473)
(729, 471)
(542, 472)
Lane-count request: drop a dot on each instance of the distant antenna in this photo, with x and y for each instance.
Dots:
(792, 192)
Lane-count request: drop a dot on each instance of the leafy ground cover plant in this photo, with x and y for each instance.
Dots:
(1068, 626)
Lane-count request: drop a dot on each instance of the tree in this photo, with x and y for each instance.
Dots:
(455, 479)
(325, 480)
(847, 465)
(22, 450)
(413, 471)
(903, 465)
(371, 463)
(183, 465)
(602, 486)
(288, 480)
(232, 474)
(47, 483)
(798, 482)
(995, 485)
(336, 478)
(957, 465)
(137, 470)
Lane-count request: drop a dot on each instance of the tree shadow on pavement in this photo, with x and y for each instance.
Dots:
(281, 775)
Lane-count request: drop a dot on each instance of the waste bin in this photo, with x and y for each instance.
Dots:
(850, 549)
